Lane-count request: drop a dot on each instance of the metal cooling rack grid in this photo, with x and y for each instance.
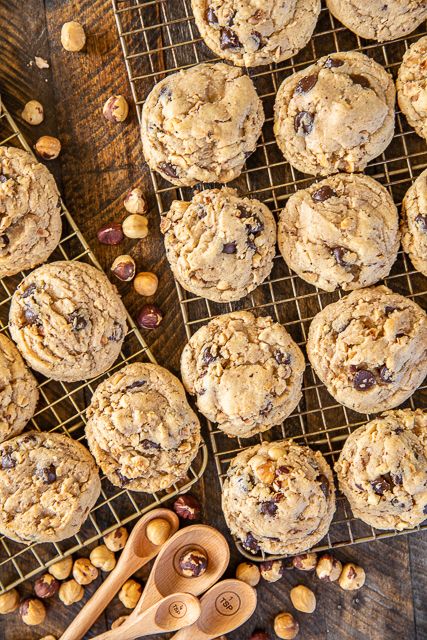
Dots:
(62, 408)
(159, 37)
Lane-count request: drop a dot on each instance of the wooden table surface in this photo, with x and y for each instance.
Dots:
(99, 162)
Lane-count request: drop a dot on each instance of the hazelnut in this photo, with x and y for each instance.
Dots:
(259, 635)
(33, 112)
(135, 226)
(102, 558)
(265, 472)
(305, 561)
(48, 638)
(157, 531)
(61, 569)
(135, 202)
(48, 147)
(46, 586)
(73, 37)
(116, 624)
(285, 626)
(193, 563)
(116, 109)
(116, 540)
(84, 572)
(146, 283)
(130, 593)
(303, 599)
(328, 568)
(9, 601)
(111, 234)
(149, 317)
(352, 577)
(124, 268)
(32, 611)
(272, 570)
(249, 573)
(187, 507)
(70, 592)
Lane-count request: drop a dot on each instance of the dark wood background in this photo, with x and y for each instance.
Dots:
(99, 162)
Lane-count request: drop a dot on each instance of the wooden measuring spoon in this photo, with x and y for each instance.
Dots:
(137, 552)
(225, 607)
(169, 614)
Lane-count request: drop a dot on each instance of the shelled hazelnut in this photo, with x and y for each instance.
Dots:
(111, 234)
(9, 601)
(61, 569)
(119, 621)
(102, 558)
(130, 593)
(305, 561)
(157, 531)
(48, 147)
(352, 577)
(272, 570)
(149, 317)
(303, 599)
(73, 37)
(187, 507)
(116, 540)
(124, 268)
(146, 283)
(48, 638)
(135, 202)
(265, 472)
(285, 626)
(46, 586)
(70, 592)
(328, 568)
(249, 573)
(32, 611)
(116, 109)
(84, 572)
(193, 563)
(33, 112)
(135, 226)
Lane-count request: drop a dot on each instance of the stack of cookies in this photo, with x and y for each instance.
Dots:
(341, 233)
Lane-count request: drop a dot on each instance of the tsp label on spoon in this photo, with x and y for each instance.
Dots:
(228, 603)
(178, 609)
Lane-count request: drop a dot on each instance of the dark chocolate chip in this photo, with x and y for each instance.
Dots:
(251, 244)
(230, 19)
(201, 212)
(339, 253)
(323, 194)
(228, 39)
(117, 334)
(333, 63)
(266, 410)
(398, 430)
(136, 385)
(208, 356)
(306, 84)
(422, 222)
(257, 38)
(324, 484)
(28, 291)
(165, 91)
(211, 16)
(244, 212)
(256, 227)
(385, 374)
(3, 178)
(282, 357)
(77, 321)
(380, 485)
(363, 380)
(397, 478)
(251, 543)
(389, 309)
(361, 80)
(48, 474)
(4, 240)
(149, 444)
(268, 508)
(122, 478)
(229, 247)
(169, 169)
(425, 510)
(7, 462)
(282, 470)
(31, 317)
(303, 122)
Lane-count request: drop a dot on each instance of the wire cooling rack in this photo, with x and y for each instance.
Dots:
(159, 37)
(62, 407)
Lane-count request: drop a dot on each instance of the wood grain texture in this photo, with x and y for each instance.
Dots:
(100, 161)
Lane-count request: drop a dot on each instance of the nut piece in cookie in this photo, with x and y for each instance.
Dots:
(411, 86)
(414, 223)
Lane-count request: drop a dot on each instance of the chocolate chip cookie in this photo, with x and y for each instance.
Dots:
(382, 470)
(30, 216)
(48, 485)
(219, 245)
(412, 86)
(68, 321)
(370, 349)
(200, 124)
(414, 223)
(141, 428)
(336, 115)
(340, 232)
(279, 497)
(253, 33)
(379, 20)
(245, 372)
(18, 391)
